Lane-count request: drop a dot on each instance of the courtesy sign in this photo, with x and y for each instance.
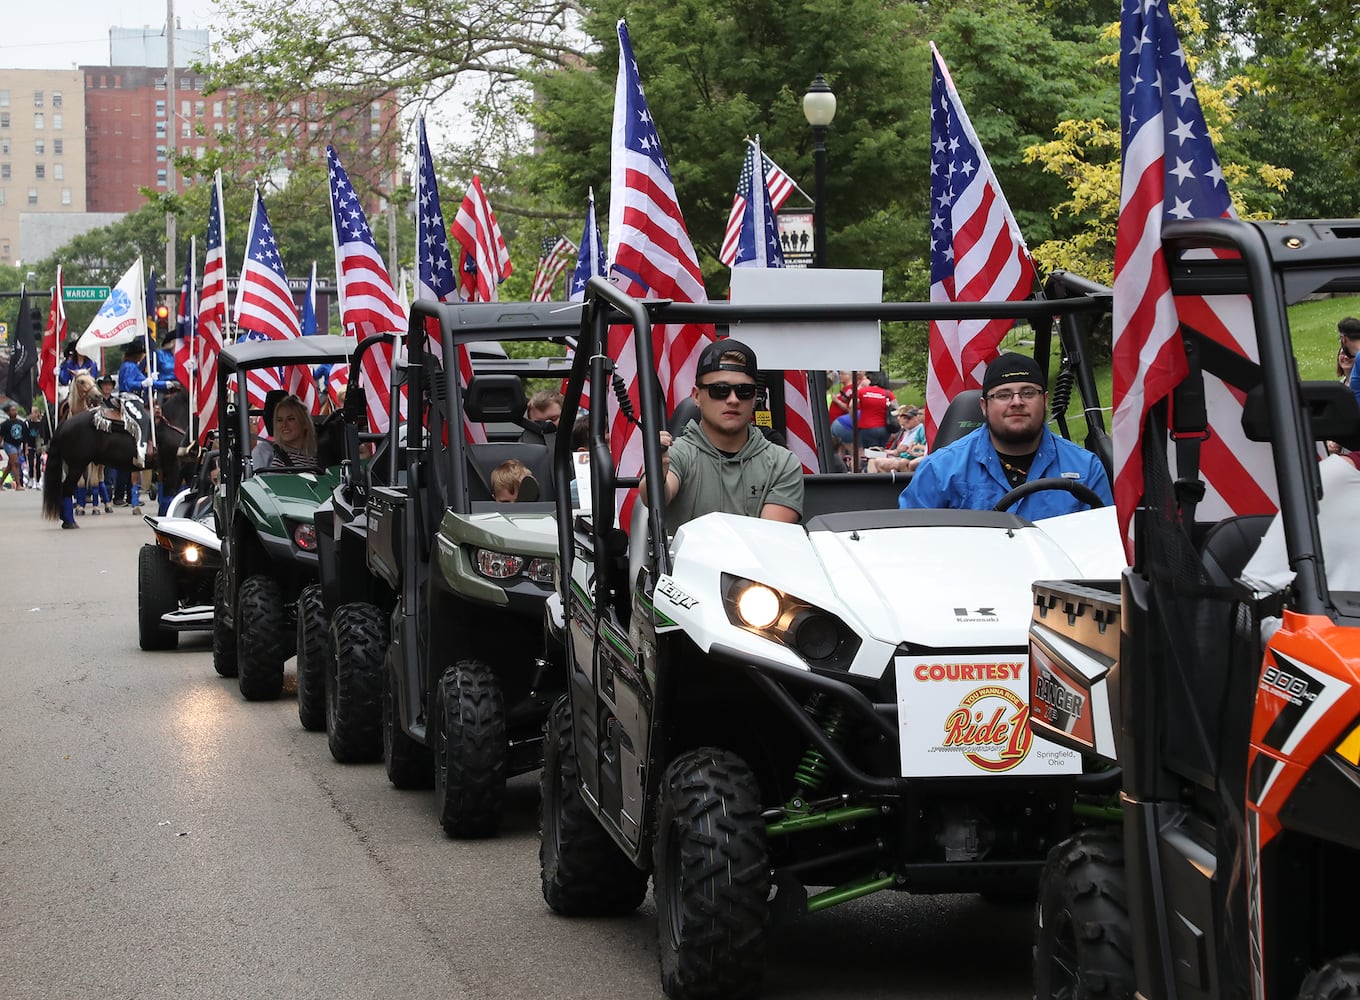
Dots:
(961, 716)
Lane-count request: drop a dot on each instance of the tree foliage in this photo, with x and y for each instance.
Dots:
(1085, 153)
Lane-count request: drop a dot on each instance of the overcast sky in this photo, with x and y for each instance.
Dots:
(37, 35)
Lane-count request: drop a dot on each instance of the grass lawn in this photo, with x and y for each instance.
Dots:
(1313, 329)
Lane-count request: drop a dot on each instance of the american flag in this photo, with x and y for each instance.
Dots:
(54, 336)
(264, 306)
(435, 276)
(368, 302)
(758, 242)
(558, 252)
(1170, 169)
(486, 261)
(652, 256)
(590, 261)
(308, 324)
(185, 322)
(758, 246)
(212, 312)
(780, 186)
(976, 251)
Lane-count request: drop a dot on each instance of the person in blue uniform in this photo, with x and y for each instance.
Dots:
(133, 386)
(73, 364)
(1012, 447)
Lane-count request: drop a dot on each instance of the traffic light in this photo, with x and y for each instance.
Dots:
(162, 322)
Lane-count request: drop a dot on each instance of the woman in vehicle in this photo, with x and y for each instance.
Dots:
(294, 439)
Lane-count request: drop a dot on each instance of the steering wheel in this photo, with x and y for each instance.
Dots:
(1077, 488)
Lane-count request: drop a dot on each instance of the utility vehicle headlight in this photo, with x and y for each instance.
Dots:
(498, 565)
(540, 571)
(304, 537)
(192, 555)
(757, 606)
(1349, 748)
(817, 636)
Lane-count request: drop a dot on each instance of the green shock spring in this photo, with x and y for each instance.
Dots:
(812, 770)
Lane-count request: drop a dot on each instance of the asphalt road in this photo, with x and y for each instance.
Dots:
(162, 838)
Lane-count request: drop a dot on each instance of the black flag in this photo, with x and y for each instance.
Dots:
(23, 355)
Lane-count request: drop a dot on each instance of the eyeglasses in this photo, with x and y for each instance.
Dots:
(721, 390)
(1028, 394)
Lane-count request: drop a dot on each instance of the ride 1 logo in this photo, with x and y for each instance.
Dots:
(992, 736)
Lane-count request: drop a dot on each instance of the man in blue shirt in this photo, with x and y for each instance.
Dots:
(1013, 447)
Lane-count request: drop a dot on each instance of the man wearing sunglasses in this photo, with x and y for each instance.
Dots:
(1012, 447)
(719, 463)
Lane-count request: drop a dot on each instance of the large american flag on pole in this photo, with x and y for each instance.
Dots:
(779, 184)
(368, 301)
(212, 312)
(1171, 170)
(557, 253)
(485, 259)
(435, 276)
(758, 246)
(976, 251)
(265, 307)
(652, 256)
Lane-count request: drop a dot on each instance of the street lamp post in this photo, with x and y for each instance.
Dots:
(819, 107)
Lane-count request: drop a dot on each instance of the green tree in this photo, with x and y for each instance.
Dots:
(1085, 154)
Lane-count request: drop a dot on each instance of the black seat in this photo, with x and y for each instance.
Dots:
(271, 400)
(686, 411)
(1230, 544)
(961, 417)
(483, 459)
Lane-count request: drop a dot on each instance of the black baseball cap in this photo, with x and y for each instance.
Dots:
(726, 356)
(1012, 368)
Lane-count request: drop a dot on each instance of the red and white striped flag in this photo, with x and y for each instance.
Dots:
(265, 307)
(652, 257)
(485, 260)
(435, 276)
(976, 251)
(780, 186)
(368, 302)
(558, 252)
(1162, 122)
(212, 312)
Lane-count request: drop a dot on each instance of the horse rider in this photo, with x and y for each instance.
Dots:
(73, 364)
(133, 384)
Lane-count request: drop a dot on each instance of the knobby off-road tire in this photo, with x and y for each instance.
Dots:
(313, 649)
(1338, 979)
(469, 751)
(157, 594)
(223, 634)
(584, 873)
(1083, 943)
(354, 683)
(261, 638)
(711, 878)
(409, 764)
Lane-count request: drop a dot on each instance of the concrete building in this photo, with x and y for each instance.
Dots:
(42, 148)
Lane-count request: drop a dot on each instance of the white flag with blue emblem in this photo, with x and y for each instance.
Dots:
(122, 317)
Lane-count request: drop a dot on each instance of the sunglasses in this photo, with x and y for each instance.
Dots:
(721, 390)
